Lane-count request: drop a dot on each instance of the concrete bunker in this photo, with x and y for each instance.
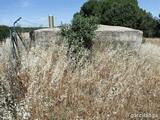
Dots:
(103, 33)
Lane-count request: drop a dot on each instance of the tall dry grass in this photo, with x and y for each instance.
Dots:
(155, 41)
(113, 84)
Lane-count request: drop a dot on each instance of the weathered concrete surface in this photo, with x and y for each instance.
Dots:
(119, 34)
(45, 36)
(103, 33)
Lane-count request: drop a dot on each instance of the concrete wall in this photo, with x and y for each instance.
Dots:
(45, 36)
(103, 33)
(117, 34)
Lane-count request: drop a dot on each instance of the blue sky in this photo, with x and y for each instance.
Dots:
(37, 11)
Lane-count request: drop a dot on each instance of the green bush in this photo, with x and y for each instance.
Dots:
(113, 12)
(78, 35)
(91, 8)
(4, 32)
(148, 24)
(122, 13)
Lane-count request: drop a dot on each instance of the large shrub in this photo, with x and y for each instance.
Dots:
(4, 32)
(79, 34)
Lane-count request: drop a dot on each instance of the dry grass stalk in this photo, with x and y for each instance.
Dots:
(155, 41)
(105, 89)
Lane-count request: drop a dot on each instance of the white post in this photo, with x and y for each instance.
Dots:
(51, 21)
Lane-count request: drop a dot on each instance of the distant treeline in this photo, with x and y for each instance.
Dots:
(4, 31)
(122, 13)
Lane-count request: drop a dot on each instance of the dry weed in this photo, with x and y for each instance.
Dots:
(155, 41)
(107, 88)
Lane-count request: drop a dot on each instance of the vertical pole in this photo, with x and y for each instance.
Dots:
(15, 36)
(51, 21)
(12, 44)
(13, 53)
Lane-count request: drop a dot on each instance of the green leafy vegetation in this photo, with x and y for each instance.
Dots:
(79, 34)
(4, 32)
(122, 13)
(149, 25)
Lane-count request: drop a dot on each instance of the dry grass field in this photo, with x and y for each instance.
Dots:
(114, 85)
(155, 41)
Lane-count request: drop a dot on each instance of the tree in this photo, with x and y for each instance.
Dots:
(91, 8)
(113, 12)
(122, 13)
(148, 24)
